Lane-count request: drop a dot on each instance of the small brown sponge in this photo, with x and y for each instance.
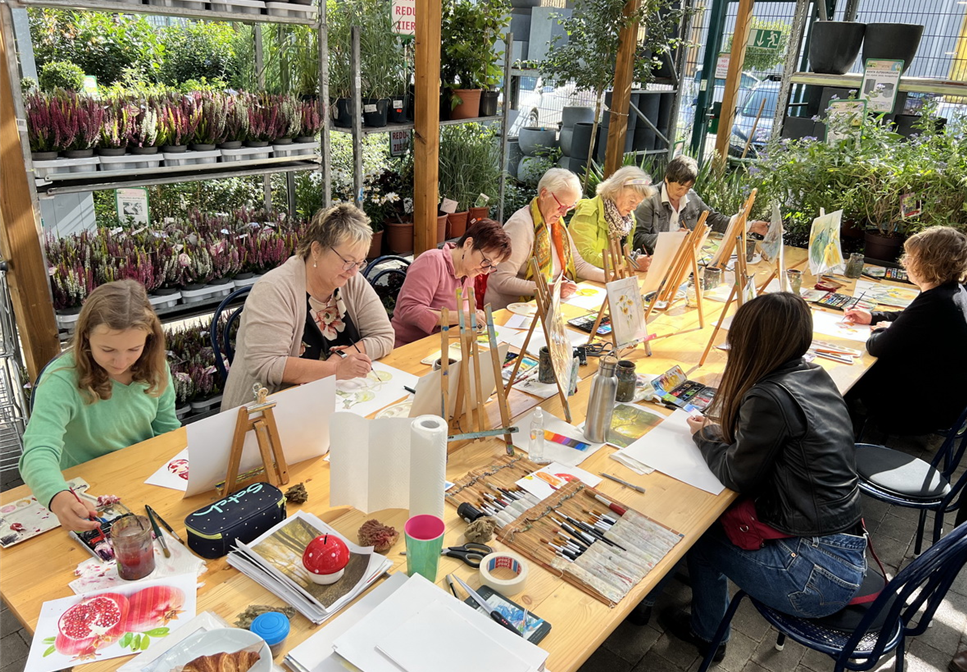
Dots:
(380, 537)
(297, 494)
(481, 530)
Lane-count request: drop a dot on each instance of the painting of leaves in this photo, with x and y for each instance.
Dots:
(284, 550)
(825, 253)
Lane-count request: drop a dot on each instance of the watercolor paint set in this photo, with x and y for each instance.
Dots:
(674, 389)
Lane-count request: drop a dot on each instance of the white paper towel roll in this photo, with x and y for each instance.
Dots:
(428, 464)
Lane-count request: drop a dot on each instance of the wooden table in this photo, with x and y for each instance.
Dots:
(38, 570)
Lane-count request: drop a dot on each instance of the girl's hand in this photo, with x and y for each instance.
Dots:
(858, 316)
(353, 365)
(696, 421)
(73, 514)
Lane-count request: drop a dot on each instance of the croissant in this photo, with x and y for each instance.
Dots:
(240, 661)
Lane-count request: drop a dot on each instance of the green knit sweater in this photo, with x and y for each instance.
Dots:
(65, 430)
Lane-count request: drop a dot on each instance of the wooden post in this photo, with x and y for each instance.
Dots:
(426, 133)
(19, 227)
(740, 38)
(621, 97)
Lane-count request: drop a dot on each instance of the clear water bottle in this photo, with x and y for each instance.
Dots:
(535, 451)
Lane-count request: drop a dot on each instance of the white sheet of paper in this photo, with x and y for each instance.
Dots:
(435, 637)
(587, 296)
(537, 340)
(889, 297)
(627, 312)
(39, 660)
(553, 477)
(553, 451)
(358, 644)
(832, 324)
(428, 399)
(316, 653)
(210, 440)
(665, 250)
(669, 449)
(538, 389)
(172, 474)
(518, 322)
(382, 387)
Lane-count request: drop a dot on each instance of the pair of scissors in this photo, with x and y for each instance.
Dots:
(471, 553)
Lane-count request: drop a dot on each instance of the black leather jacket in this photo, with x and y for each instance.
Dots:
(793, 453)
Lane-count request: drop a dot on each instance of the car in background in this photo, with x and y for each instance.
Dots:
(764, 95)
(690, 100)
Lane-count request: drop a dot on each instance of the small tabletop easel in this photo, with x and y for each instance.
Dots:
(617, 266)
(542, 297)
(260, 419)
(470, 387)
(741, 269)
(684, 261)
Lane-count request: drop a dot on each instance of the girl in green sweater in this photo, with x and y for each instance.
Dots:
(112, 389)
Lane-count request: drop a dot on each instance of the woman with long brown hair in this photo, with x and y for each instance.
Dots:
(781, 438)
(111, 390)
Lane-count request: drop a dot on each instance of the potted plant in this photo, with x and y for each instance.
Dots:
(42, 133)
(466, 66)
(381, 60)
(339, 19)
(144, 130)
(259, 109)
(469, 167)
(120, 117)
(311, 121)
(236, 122)
(833, 45)
(82, 117)
(212, 120)
(892, 41)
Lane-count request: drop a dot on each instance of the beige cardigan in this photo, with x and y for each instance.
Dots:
(507, 284)
(271, 327)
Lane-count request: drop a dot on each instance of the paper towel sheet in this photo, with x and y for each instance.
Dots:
(388, 463)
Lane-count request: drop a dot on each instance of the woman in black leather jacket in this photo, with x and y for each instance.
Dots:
(783, 438)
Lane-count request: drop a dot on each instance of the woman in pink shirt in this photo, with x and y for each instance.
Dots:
(433, 278)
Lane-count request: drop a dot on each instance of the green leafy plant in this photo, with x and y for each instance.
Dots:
(471, 63)
(197, 49)
(382, 60)
(61, 75)
(469, 164)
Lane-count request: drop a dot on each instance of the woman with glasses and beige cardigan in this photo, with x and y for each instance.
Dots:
(314, 316)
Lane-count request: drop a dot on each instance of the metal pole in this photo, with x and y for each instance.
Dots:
(260, 73)
(357, 113)
(505, 122)
(707, 89)
(324, 104)
(680, 55)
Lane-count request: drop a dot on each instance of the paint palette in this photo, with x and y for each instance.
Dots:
(26, 518)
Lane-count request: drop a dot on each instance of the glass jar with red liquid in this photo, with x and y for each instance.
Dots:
(133, 547)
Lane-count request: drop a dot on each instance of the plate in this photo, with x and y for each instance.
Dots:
(522, 308)
(216, 641)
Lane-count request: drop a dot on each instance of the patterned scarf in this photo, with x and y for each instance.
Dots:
(542, 246)
(618, 226)
(329, 316)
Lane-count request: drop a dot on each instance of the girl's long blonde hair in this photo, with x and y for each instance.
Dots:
(120, 306)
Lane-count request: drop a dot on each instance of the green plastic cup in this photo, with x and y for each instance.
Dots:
(424, 542)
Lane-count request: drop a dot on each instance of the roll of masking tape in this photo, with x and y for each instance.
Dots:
(504, 563)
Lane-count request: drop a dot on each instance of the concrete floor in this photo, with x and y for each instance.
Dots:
(647, 649)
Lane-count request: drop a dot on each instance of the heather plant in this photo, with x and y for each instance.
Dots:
(84, 115)
(213, 117)
(258, 119)
(120, 117)
(41, 131)
(236, 118)
(178, 118)
(311, 121)
(144, 131)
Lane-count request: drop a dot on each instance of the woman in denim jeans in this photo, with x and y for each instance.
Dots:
(782, 438)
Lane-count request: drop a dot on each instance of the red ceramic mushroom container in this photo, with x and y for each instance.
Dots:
(325, 558)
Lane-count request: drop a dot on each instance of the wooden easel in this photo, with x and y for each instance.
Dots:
(260, 419)
(684, 261)
(470, 388)
(741, 270)
(542, 297)
(617, 266)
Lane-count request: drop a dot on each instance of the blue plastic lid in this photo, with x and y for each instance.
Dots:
(271, 626)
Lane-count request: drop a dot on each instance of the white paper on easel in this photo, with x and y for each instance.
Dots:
(669, 242)
(388, 463)
(728, 241)
(669, 448)
(301, 414)
(575, 338)
(771, 245)
(627, 312)
(428, 398)
(172, 474)
(825, 252)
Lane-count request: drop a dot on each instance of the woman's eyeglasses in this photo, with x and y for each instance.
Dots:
(485, 263)
(561, 206)
(347, 264)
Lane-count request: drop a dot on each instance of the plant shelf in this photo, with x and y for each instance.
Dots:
(66, 183)
(941, 87)
(160, 10)
(389, 128)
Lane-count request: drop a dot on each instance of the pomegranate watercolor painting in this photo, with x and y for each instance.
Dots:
(108, 624)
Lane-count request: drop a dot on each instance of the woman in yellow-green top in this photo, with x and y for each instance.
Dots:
(111, 390)
(610, 214)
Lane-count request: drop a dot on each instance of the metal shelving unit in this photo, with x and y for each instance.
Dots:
(13, 405)
(389, 128)
(940, 87)
(115, 7)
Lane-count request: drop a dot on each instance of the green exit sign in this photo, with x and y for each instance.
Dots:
(765, 39)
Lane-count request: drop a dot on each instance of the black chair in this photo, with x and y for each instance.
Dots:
(858, 636)
(222, 345)
(386, 275)
(894, 477)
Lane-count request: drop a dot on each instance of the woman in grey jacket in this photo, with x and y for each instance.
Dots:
(314, 316)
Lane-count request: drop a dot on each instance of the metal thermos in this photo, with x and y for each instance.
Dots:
(601, 402)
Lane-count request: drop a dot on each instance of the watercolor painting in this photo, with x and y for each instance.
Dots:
(627, 312)
(825, 252)
(373, 392)
(586, 296)
(559, 345)
(543, 482)
(104, 625)
(172, 474)
(629, 423)
(832, 324)
(889, 296)
(771, 246)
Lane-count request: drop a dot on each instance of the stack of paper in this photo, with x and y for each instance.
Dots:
(421, 628)
(274, 561)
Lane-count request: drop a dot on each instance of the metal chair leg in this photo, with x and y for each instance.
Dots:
(920, 525)
(720, 633)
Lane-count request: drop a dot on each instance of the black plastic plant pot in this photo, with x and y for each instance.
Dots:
(834, 45)
(397, 108)
(375, 112)
(893, 41)
(488, 103)
(343, 117)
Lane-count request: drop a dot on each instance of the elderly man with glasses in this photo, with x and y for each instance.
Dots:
(538, 230)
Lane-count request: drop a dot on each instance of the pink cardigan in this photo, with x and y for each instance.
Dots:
(430, 284)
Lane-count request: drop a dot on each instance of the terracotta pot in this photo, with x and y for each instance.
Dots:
(399, 237)
(441, 227)
(478, 213)
(375, 245)
(469, 108)
(884, 248)
(457, 224)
